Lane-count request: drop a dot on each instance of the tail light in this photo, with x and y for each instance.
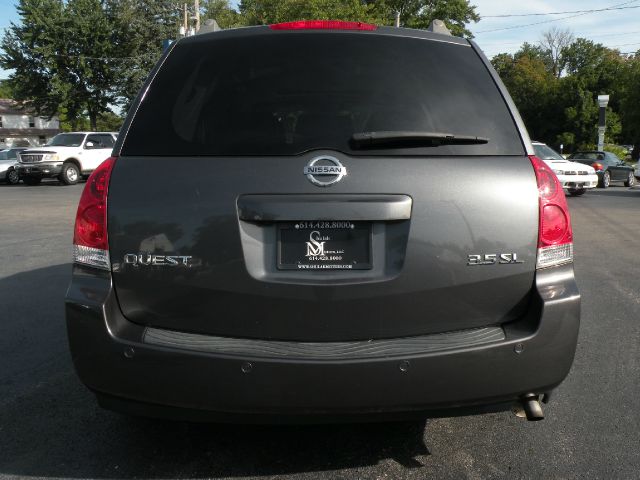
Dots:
(90, 245)
(597, 166)
(322, 25)
(555, 236)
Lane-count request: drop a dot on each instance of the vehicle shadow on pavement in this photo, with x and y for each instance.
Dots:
(614, 192)
(51, 426)
(46, 182)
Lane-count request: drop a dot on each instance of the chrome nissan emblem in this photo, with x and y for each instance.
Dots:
(327, 168)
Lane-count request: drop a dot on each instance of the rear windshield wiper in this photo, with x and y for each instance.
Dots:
(405, 138)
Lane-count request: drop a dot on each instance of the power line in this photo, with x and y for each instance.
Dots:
(557, 13)
(611, 47)
(588, 36)
(552, 20)
(622, 45)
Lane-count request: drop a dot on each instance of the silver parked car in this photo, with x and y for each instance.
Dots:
(8, 162)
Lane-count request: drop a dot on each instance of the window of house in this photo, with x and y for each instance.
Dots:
(32, 122)
(1, 119)
(42, 139)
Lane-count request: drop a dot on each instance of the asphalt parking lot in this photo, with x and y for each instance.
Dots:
(50, 425)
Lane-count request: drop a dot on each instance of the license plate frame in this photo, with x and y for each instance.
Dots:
(324, 245)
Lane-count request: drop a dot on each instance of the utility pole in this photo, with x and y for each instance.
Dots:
(603, 100)
(196, 6)
(397, 22)
(185, 21)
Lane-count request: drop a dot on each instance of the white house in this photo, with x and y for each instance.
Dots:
(21, 128)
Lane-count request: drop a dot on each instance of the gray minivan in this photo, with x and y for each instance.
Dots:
(322, 220)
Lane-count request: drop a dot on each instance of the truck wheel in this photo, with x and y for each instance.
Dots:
(631, 180)
(70, 174)
(575, 192)
(12, 177)
(32, 180)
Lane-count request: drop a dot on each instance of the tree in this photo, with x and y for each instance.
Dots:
(503, 63)
(106, 122)
(139, 29)
(264, 12)
(456, 14)
(60, 56)
(630, 104)
(560, 106)
(533, 89)
(85, 55)
(30, 49)
(554, 43)
(5, 89)
(222, 12)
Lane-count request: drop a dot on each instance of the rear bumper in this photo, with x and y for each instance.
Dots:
(113, 359)
(39, 170)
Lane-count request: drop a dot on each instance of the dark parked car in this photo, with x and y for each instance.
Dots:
(354, 225)
(8, 163)
(608, 166)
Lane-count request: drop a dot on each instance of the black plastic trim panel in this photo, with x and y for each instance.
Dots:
(323, 350)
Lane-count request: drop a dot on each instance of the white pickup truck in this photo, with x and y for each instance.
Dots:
(68, 157)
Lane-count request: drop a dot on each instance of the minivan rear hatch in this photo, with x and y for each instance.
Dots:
(244, 203)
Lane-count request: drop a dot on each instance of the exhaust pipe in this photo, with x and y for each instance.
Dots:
(532, 407)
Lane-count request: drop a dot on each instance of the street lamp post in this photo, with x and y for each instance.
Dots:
(603, 101)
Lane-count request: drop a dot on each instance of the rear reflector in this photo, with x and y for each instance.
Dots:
(322, 25)
(555, 236)
(90, 245)
(557, 255)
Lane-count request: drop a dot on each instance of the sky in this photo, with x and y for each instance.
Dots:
(613, 28)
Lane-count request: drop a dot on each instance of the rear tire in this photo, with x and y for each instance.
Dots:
(576, 192)
(12, 177)
(70, 174)
(631, 180)
(605, 181)
(32, 180)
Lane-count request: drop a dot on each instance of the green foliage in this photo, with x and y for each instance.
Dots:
(263, 12)
(57, 53)
(30, 49)
(138, 29)
(105, 122)
(532, 87)
(222, 12)
(621, 152)
(5, 89)
(456, 14)
(562, 108)
(630, 104)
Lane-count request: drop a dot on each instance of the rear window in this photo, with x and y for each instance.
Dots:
(587, 156)
(546, 153)
(67, 140)
(285, 94)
